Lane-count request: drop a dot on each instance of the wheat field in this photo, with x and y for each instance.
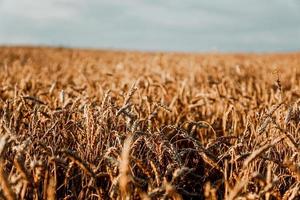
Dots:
(91, 124)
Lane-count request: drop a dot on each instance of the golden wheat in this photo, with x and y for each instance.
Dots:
(83, 124)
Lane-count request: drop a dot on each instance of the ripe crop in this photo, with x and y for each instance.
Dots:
(83, 124)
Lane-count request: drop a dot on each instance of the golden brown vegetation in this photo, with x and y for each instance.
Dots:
(78, 124)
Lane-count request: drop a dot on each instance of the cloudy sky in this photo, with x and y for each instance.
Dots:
(173, 25)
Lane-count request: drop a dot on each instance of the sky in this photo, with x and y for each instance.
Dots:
(151, 25)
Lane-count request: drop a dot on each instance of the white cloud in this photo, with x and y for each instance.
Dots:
(152, 24)
(39, 10)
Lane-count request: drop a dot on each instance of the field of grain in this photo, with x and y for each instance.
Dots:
(87, 124)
